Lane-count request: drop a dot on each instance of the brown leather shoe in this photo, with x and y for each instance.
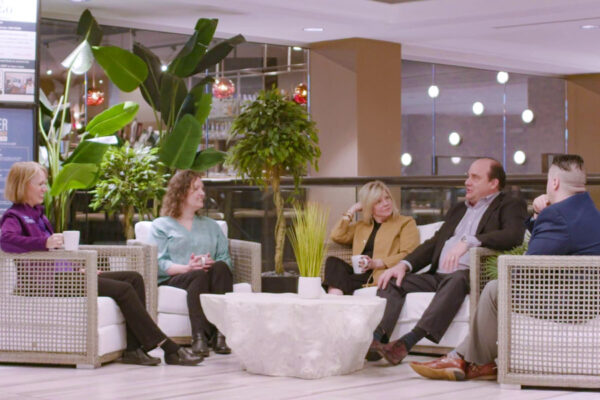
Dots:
(394, 352)
(447, 368)
(482, 372)
(374, 353)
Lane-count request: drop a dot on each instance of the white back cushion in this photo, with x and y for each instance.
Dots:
(143, 231)
(427, 231)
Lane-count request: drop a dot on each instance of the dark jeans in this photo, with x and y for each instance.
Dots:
(218, 280)
(126, 288)
(340, 275)
(450, 289)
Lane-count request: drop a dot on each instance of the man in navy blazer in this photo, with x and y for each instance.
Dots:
(566, 222)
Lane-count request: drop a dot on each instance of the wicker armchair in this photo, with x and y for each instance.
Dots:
(549, 321)
(49, 312)
(478, 277)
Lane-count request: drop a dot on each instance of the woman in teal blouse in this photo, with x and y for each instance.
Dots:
(193, 255)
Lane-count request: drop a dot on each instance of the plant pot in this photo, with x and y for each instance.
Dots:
(273, 283)
(309, 288)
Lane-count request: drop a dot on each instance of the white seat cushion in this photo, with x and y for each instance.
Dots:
(109, 312)
(172, 300)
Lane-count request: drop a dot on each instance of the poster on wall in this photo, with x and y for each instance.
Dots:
(18, 19)
(16, 143)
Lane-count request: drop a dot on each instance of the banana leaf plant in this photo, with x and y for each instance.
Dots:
(77, 169)
(179, 112)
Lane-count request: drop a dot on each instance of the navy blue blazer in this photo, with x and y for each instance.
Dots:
(571, 226)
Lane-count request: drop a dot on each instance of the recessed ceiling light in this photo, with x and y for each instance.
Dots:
(406, 159)
(49, 72)
(454, 138)
(502, 77)
(590, 26)
(455, 160)
(101, 81)
(527, 116)
(313, 29)
(164, 67)
(519, 157)
(478, 108)
(297, 48)
(433, 91)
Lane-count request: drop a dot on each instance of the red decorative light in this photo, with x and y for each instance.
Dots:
(223, 88)
(95, 97)
(301, 94)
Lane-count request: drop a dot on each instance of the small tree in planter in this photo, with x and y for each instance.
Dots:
(129, 181)
(275, 137)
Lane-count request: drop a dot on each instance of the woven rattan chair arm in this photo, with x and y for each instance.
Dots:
(247, 262)
(478, 278)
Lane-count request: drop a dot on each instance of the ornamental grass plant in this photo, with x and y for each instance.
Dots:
(308, 236)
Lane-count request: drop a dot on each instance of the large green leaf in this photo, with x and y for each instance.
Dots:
(88, 152)
(197, 102)
(80, 60)
(152, 82)
(179, 148)
(189, 56)
(218, 52)
(203, 105)
(45, 104)
(208, 158)
(115, 118)
(74, 176)
(172, 94)
(89, 29)
(126, 70)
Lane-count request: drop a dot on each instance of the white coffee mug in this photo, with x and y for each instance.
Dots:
(71, 240)
(359, 262)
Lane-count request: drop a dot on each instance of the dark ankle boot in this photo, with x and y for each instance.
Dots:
(200, 345)
(220, 345)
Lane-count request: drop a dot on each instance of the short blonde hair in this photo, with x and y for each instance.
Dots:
(18, 177)
(370, 194)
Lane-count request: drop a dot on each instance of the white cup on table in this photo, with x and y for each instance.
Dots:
(71, 240)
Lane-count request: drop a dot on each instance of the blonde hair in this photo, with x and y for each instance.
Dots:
(370, 194)
(18, 177)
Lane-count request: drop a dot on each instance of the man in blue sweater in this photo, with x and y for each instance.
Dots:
(566, 222)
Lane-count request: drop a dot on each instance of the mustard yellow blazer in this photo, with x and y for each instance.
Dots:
(395, 239)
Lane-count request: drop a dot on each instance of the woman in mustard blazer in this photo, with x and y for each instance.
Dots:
(383, 236)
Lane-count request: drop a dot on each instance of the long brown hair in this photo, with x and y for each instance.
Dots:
(177, 191)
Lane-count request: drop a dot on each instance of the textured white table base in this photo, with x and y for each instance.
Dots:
(283, 335)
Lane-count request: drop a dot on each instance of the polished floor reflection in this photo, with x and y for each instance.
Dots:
(221, 377)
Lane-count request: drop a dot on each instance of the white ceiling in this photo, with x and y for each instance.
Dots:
(531, 36)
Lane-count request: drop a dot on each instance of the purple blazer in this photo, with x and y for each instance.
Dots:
(24, 228)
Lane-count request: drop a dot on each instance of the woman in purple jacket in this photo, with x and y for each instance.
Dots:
(24, 227)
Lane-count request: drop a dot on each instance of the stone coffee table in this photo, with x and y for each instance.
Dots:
(284, 335)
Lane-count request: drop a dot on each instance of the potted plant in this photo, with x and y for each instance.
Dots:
(129, 181)
(308, 238)
(274, 137)
(179, 112)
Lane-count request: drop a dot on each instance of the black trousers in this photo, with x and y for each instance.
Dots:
(450, 289)
(126, 288)
(340, 275)
(218, 280)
